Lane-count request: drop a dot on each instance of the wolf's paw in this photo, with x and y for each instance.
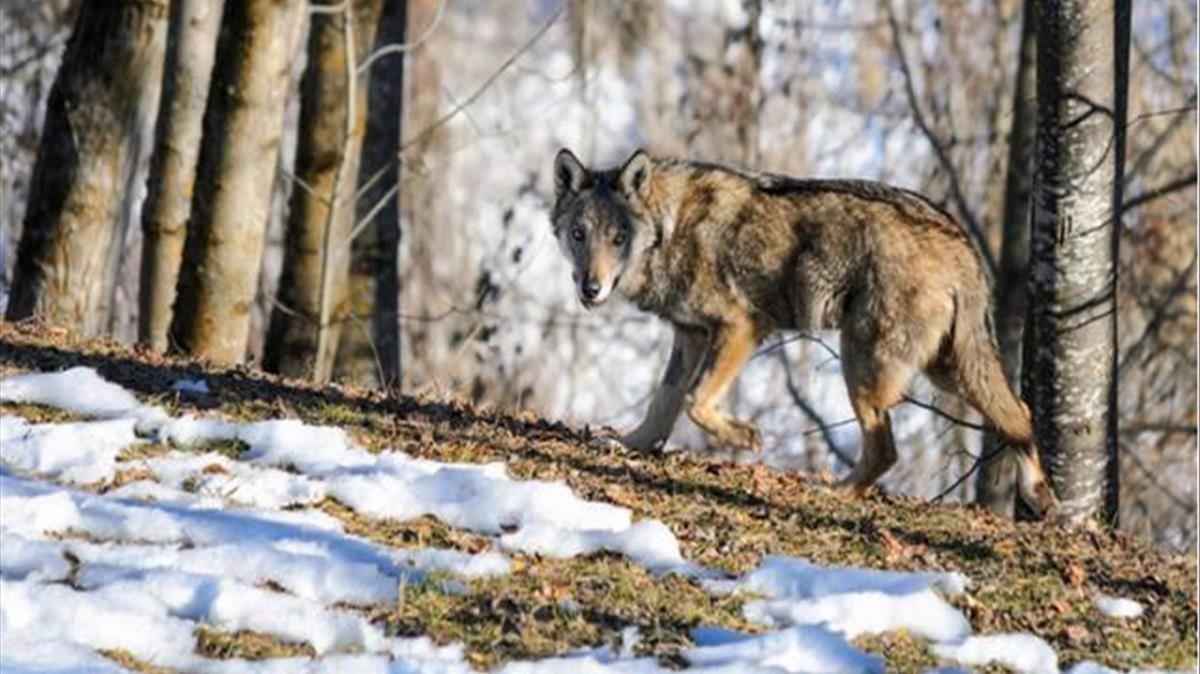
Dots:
(607, 443)
(742, 435)
(854, 485)
(640, 442)
(1043, 502)
(604, 438)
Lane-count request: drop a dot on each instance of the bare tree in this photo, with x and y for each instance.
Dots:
(307, 319)
(103, 99)
(191, 47)
(369, 351)
(995, 484)
(242, 129)
(1070, 340)
(428, 238)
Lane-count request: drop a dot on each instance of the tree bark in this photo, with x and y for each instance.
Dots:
(370, 348)
(996, 482)
(421, 208)
(1070, 336)
(191, 47)
(234, 178)
(307, 320)
(105, 93)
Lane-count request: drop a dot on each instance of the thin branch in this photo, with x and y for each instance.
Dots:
(956, 191)
(469, 100)
(1178, 287)
(985, 458)
(809, 411)
(1160, 113)
(1176, 185)
(402, 47)
(943, 414)
(837, 356)
(1167, 427)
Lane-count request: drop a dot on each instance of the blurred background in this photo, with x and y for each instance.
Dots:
(453, 284)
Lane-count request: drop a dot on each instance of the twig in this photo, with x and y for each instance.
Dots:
(986, 458)
(402, 47)
(837, 356)
(808, 410)
(469, 100)
(1176, 185)
(960, 200)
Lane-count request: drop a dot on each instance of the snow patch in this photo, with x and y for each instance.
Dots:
(79, 390)
(1118, 607)
(851, 601)
(1022, 653)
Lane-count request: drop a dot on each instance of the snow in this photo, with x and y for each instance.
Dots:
(1023, 653)
(78, 452)
(79, 390)
(529, 516)
(190, 386)
(803, 648)
(1118, 607)
(851, 601)
(196, 538)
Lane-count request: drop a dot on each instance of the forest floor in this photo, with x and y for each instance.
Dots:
(1022, 577)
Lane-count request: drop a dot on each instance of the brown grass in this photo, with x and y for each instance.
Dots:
(1026, 577)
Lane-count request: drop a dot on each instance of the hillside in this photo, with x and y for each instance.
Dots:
(516, 594)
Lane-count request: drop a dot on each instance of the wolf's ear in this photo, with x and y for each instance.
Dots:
(569, 174)
(635, 175)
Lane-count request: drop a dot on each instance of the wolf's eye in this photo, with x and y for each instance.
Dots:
(619, 240)
(577, 233)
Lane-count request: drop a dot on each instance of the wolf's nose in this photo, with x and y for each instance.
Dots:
(590, 288)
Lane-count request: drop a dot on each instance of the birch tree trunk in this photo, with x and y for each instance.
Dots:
(191, 47)
(234, 178)
(996, 482)
(104, 95)
(369, 351)
(1070, 337)
(312, 300)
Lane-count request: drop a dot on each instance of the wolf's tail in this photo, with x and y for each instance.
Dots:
(978, 370)
(981, 379)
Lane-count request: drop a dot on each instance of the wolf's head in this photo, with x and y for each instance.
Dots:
(594, 220)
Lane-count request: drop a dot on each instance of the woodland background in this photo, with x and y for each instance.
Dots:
(402, 220)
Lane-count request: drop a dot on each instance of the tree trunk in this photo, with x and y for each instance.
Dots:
(370, 348)
(421, 209)
(191, 47)
(234, 178)
(1070, 337)
(307, 320)
(105, 92)
(996, 483)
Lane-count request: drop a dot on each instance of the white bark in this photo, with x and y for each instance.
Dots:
(1070, 338)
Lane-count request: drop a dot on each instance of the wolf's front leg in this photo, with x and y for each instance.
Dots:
(732, 346)
(686, 354)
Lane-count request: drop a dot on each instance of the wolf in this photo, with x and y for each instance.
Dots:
(728, 257)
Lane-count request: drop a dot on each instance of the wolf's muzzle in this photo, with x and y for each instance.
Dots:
(589, 289)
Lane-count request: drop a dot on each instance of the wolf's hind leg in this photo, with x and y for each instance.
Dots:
(732, 346)
(686, 354)
(873, 391)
